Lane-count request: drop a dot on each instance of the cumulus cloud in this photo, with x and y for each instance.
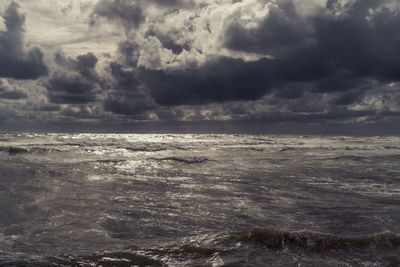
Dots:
(219, 80)
(222, 59)
(17, 61)
(128, 13)
(333, 47)
(76, 80)
(313, 57)
(348, 41)
(127, 96)
(280, 32)
(132, 13)
(11, 92)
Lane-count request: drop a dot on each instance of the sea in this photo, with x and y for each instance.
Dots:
(199, 200)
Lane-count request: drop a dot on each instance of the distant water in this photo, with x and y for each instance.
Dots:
(199, 200)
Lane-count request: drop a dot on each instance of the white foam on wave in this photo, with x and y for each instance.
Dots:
(98, 178)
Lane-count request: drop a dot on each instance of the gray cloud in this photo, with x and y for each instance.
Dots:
(16, 61)
(81, 112)
(170, 40)
(132, 13)
(76, 82)
(220, 80)
(271, 61)
(175, 3)
(338, 49)
(49, 107)
(11, 92)
(282, 33)
(129, 53)
(126, 12)
(128, 96)
(13, 95)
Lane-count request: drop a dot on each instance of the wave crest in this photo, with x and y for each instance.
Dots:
(13, 150)
(316, 242)
(188, 160)
(121, 258)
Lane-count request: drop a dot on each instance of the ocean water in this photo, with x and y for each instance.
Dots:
(199, 200)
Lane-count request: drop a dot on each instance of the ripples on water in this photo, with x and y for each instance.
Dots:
(198, 200)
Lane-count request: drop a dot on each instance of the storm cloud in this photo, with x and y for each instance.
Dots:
(291, 53)
(76, 81)
(174, 60)
(220, 80)
(127, 96)
(128, 13)
(11, 92)
(16, 61)
(131, 14)
(337, 49)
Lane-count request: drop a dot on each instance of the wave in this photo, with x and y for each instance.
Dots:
(188, 160)
(12, 150)
(355, 148)
(122, 258)
(110, 161)
(352, 158)
(234, 246)
(145, 149)
(283, 149)
(365, 158)
(257, 149)
(315, 242)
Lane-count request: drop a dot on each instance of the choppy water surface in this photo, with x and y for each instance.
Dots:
(199, 200)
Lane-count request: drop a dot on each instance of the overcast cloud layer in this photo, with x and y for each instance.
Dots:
(122, 61)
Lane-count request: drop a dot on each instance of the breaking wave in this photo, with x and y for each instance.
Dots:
(121, 258)
(12, 150)
(230, 245)
(315, 242)
(110, 259)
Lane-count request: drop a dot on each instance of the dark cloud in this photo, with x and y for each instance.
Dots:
(83, 64)
(128, 96)
(129, 53)
(282, 32)
(49, 108)
(220, 80)
(348, 98)
(336, 50)
(76, 82)
(15, 61)
(291, 65)
(174, 3)
(13, 95)
(11, 92)
(331, 50)
(126, 12)
(130, 13)
(294, 91)
(72, 89)
(169, 40)
(364, 47)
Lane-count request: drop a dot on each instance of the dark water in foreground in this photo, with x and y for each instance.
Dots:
(198, 200)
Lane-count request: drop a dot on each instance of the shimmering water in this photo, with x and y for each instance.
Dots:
(199, 200)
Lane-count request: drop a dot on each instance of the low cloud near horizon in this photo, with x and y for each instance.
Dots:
(127, 61)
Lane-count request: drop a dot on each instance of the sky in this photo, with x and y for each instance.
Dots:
(200, 65)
